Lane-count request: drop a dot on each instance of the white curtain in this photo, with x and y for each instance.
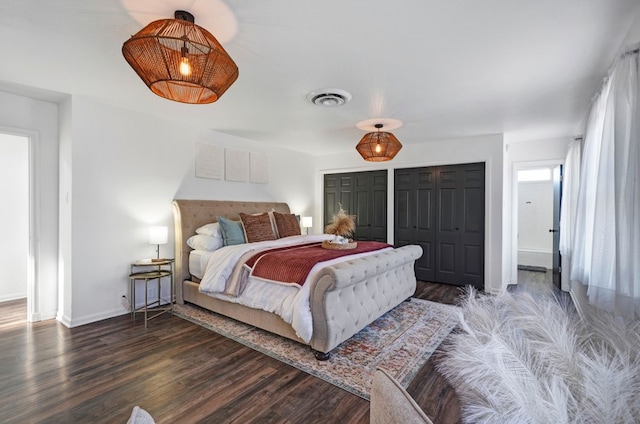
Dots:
(606, 246)
(569, 205)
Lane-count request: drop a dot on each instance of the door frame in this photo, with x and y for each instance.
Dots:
(33, 313)
(517, 166)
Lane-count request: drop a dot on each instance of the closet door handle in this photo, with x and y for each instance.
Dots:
(553, 231)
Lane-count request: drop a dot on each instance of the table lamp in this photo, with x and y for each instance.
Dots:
(158, 235)
(307, 222)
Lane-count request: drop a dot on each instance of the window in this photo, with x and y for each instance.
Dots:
(529, 175)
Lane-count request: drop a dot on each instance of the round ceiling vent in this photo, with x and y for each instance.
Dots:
(329, 97)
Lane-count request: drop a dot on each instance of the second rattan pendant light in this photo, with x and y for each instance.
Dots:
(378, 146)
(180, 61)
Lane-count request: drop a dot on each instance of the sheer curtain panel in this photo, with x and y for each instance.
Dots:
(606, 246)
(569, 204)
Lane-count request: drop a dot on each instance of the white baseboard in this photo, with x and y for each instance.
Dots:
(42, 316)
(13, 296)
(88, 319)
(64, 320)
(535, 257)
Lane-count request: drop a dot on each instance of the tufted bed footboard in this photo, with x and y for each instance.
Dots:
(350, 295)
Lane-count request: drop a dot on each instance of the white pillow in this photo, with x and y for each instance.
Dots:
(204, 242)
(212, 230)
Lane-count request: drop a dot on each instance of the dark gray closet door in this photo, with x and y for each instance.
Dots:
(338, 190)
(370, 205)
(415, 216)
(363, 194)
(460, 225)
(442, 210)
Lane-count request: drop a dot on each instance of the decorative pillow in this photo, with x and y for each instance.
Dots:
(273, 223)
(257, 227)
(212, 230)
(232, 232)
(204, 242)
(287, 224)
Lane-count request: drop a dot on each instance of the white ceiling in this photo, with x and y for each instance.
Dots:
(445, 68)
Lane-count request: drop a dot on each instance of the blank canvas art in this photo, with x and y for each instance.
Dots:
(209, 161)
(236, 165)
(258, 168)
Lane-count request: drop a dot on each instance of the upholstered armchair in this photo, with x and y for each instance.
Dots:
(391, 404)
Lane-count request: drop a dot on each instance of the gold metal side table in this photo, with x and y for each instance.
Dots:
(149, 271)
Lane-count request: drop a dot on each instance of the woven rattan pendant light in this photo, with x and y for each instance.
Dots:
(181, 61)
(378, 146)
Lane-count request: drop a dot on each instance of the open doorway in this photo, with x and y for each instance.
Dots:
(15, 223)
(538, 213)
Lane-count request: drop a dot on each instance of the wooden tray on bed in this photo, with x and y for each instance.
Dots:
(336, 246)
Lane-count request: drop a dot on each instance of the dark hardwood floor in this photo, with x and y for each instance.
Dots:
(177, 371)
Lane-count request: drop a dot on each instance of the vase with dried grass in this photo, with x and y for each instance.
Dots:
(342, 227)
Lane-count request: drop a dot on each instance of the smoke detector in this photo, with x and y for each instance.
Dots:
(329, 97)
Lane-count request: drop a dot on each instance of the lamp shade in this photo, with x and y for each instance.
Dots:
(307, 222)
(158, 235)
(378, 146)
(180, 61)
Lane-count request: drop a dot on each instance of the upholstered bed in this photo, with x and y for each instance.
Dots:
(343, 297)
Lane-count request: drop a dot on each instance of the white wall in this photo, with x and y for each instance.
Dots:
(65, 222)
(125, 169)
(38, 120)
(14, 220)
(633, 36)
(535, 218)
(488, 149)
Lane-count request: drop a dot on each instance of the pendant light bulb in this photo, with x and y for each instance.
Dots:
(185, 66)
(378, 148)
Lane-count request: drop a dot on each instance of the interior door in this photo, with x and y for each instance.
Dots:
(370, 205)
(441, 209)
(557, 199)
(415, 216)
(363, 194)
(338, 190)
(460, 225)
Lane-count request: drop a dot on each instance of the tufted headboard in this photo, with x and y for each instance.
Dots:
(188, 215)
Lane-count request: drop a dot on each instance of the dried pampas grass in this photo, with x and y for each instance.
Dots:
(517, 359)
(343, 225)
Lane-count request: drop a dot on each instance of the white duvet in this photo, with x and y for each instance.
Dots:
(289, 301)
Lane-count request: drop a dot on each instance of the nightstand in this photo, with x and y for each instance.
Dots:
(149, 272)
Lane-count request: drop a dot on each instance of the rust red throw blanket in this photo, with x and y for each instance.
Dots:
(293, 264)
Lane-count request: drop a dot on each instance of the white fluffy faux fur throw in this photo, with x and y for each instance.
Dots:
(517, 359)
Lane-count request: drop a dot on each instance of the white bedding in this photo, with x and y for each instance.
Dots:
(198, 262)
(289, 301)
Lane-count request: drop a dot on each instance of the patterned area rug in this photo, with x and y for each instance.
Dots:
(400, 341)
